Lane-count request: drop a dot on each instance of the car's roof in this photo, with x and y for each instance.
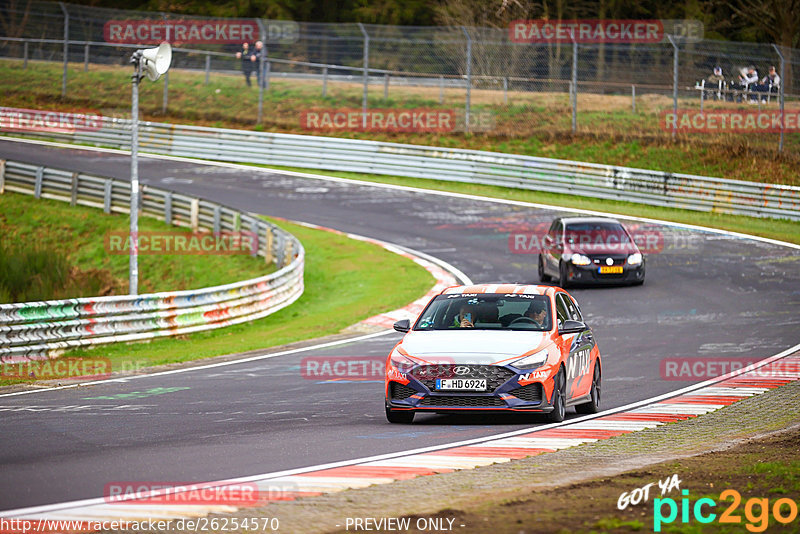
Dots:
(520, 289)
(570, 220)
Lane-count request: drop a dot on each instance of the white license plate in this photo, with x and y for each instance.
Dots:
(461, 384)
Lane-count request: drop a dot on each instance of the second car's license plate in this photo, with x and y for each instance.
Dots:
(616, 269)
(463, 384)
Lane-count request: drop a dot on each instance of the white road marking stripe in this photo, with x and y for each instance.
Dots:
(440, 461)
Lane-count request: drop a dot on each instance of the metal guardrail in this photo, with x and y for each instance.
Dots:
(611, 182)
(38, 329)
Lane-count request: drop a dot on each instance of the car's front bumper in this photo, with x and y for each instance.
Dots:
(590, 274)
(514, 394)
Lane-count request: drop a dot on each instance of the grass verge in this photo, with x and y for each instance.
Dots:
(760, 472)
(80, 234)
(531, 123)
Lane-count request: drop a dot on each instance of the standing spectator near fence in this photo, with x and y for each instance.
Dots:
(258, 52)
(247, 65)
(716, 82)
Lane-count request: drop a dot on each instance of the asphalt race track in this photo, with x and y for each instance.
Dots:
(706, 294)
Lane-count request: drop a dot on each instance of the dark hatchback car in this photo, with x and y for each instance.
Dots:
(590, 250)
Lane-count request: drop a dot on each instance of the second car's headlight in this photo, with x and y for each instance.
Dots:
(635, 259)
(529, 362)
(580, 259)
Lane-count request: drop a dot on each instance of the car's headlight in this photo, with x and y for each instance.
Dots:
(580, 259)
(401, 363)
(635, 259)
(529, 362)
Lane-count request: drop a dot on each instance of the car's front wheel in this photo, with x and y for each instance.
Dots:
(402, 417)
(559, 399)
(593, 406)
(543, 277)
(562, 275)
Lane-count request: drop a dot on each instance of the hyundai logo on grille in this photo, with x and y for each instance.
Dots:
(461, 370)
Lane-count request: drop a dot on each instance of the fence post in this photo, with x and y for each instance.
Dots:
(267, 69)
(37, 183)
(25, 57)
(366, 76)
(208, 66)
(574, 85)
(441, 90)
(703, 96)
(263, 35)
(194, 214)
(86, 57)
(505, 90)
(324, 81)
(165, 98)
(633, 98)
(674, 85)
(2, 176)
(469, 79)
(780, 89)
(73, 194)
(66, 49)
(385, 86)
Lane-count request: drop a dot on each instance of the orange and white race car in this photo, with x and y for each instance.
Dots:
(495, 347)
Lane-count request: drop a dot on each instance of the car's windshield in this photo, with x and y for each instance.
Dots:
(596, 233)
(487, 312)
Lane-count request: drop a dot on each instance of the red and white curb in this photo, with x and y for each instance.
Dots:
(689, 402)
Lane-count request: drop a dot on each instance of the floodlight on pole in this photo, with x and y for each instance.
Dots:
(153, 62)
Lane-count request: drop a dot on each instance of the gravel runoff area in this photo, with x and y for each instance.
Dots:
(520, 496)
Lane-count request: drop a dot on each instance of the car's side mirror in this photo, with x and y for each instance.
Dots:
(571, 327)
(403, 325)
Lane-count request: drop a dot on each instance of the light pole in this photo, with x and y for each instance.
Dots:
(153, 62)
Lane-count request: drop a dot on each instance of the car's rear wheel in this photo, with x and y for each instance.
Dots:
(559, 399)
(593, 406)
(544, 277)
(402, 417)
(562, 274)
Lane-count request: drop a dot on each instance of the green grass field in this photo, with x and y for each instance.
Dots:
(79, 233)
(537, 124)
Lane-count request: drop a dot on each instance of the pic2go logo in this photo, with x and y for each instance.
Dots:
(757, 511)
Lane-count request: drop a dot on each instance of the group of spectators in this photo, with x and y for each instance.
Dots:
(251, 60)
(747, 85)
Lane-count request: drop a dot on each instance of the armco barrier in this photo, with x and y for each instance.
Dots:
(38, 329)
(523, 172)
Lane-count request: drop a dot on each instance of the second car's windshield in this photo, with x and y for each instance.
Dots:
(487, 312)
(596, 233)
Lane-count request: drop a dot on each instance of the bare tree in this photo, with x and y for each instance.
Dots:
(780, 20)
